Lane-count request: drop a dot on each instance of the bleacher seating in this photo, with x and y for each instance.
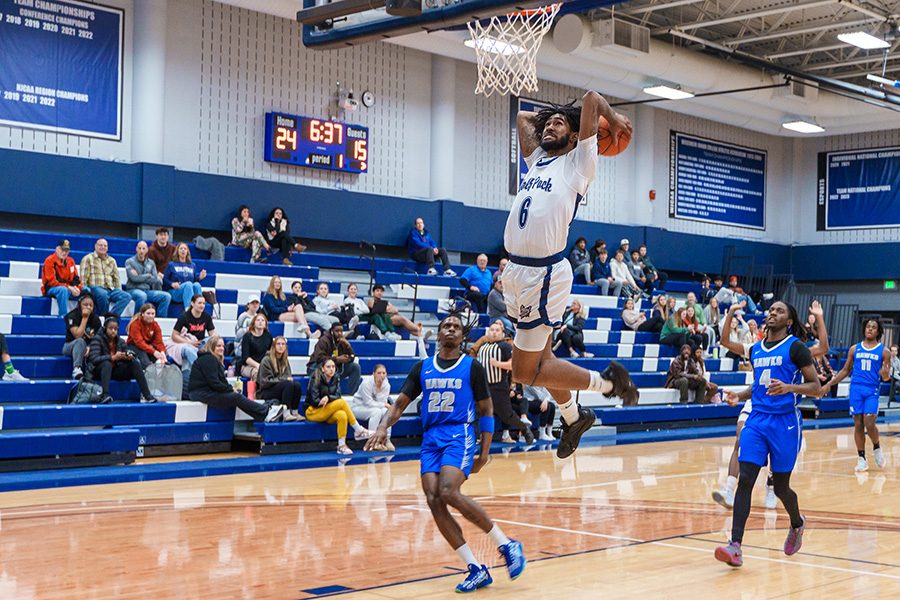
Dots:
(36, 424)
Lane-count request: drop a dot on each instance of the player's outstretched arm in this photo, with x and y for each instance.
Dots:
(484, 408)
(822, 348)
(594, 106)
(528, 137)
(732, 398)
(725, 339)
(390, 418)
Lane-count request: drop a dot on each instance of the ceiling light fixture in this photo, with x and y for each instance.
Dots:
(801, 126)
(863, 40)
(665, 91)
(494, 46)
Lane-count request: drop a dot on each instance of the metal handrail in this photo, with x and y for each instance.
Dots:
(367, 251)
(415, 287)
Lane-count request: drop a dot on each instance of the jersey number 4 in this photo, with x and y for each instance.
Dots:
(438, 402)
(523, 212)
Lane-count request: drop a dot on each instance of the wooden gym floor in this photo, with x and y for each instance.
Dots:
(624, 522)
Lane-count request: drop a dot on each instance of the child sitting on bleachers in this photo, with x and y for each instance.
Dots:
(109, 359)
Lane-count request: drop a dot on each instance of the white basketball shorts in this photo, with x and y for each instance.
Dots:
(536, 298)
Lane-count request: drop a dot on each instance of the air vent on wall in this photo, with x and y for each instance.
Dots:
(797, 90)
(621, 37)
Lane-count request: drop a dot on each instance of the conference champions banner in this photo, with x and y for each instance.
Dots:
(859, 189)
(61, 67)
(716, 182)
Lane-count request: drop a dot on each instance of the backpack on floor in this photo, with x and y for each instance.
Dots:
(165, 382)
(85, 392)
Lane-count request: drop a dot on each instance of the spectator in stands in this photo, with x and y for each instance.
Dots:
(580, 260)
(638, 321)
(145, 338)
(325, 405)
(208, 385)
(382, 326)
(82, 324)
(477, 280)
(144, 283)
(372, 400)
(110, 359)
(751, 335)
(59, 277)
(100, 273)
(254, 347)
(245, 235)
(298, 297)
(894, 374)
(378, 305)
(496, 357)
(825, 373)
(624, 247)
(735, 294)
(422, 249)
(661, 307)
(356, 306)
(712, 317)
(643, 281)
(658, 278)
(698, 310)
(277, 307)
(333, 345)
(541, 402)
(188, 334)
(496, 306)
(9, 371)
(161, 252)
(501, 266)
(570, 333)
(711, 388)
(706, 293)
(671, 303)
(698, 331)
(181, 279)
(276, 382)
(328, 307)
(622, 275)
(602, 277)
(278, 235)
(595, 250)
(243, 322)
(684, 375)
(675, 333)
(811, 327)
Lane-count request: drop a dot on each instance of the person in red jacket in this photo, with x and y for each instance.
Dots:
(59, 277)
(145, 337)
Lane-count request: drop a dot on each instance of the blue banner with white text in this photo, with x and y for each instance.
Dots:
(61, 66)
(859, 189)
(716, 182)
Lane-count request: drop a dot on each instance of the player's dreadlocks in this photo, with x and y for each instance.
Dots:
(796, 328)
(457, 308)
(571, 113)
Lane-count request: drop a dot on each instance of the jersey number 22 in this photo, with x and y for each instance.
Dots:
(438, 402)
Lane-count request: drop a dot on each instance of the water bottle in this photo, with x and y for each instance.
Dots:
(230, 371)
(716, 352)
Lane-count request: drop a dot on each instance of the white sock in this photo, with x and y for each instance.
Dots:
(569, 411)
(498, 536)
(342, 442)
(598, 384)
(357, 428)
(731, 484)
(465, 553)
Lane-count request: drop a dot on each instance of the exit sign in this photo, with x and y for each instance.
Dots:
(890, 285)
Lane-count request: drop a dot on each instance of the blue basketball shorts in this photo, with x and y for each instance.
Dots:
(863, 401)
(451, 445)
(773, 436)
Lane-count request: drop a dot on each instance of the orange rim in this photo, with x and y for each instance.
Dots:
(534, 11)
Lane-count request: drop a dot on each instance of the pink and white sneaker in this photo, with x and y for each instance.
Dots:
(730, 554)
(795, 538)
(879, 458)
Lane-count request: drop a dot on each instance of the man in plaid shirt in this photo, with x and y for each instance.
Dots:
(100, 273)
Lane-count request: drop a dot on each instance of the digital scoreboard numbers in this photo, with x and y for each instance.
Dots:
(320, 143)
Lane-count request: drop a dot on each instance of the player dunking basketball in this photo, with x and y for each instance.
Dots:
(869, 362)
(773, 430)
(560, 148)
(453, 385)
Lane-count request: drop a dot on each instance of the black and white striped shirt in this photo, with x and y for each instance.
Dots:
(500, 351)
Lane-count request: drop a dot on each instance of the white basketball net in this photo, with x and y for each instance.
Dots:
(506, 47)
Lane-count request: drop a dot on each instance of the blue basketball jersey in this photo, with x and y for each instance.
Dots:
(447, 396)
(773, 363)
(867, 367)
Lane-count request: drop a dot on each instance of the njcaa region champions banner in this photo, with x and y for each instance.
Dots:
(61, 66)
(859, 189)
(716, 182)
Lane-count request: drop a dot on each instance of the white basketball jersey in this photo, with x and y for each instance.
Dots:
(538, 222)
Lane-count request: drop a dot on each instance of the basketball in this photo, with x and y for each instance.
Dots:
(606, 145)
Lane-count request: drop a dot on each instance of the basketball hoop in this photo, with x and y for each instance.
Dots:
(506, 47)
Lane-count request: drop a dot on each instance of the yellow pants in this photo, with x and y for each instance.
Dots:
(336, 411)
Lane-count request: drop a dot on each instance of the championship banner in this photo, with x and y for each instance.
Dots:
(859, 189)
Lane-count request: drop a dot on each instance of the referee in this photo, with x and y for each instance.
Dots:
(496, 356)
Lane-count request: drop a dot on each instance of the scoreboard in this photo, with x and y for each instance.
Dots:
(319, 143)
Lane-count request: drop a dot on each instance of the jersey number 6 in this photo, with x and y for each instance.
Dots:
(523, 212)
(438, 402)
